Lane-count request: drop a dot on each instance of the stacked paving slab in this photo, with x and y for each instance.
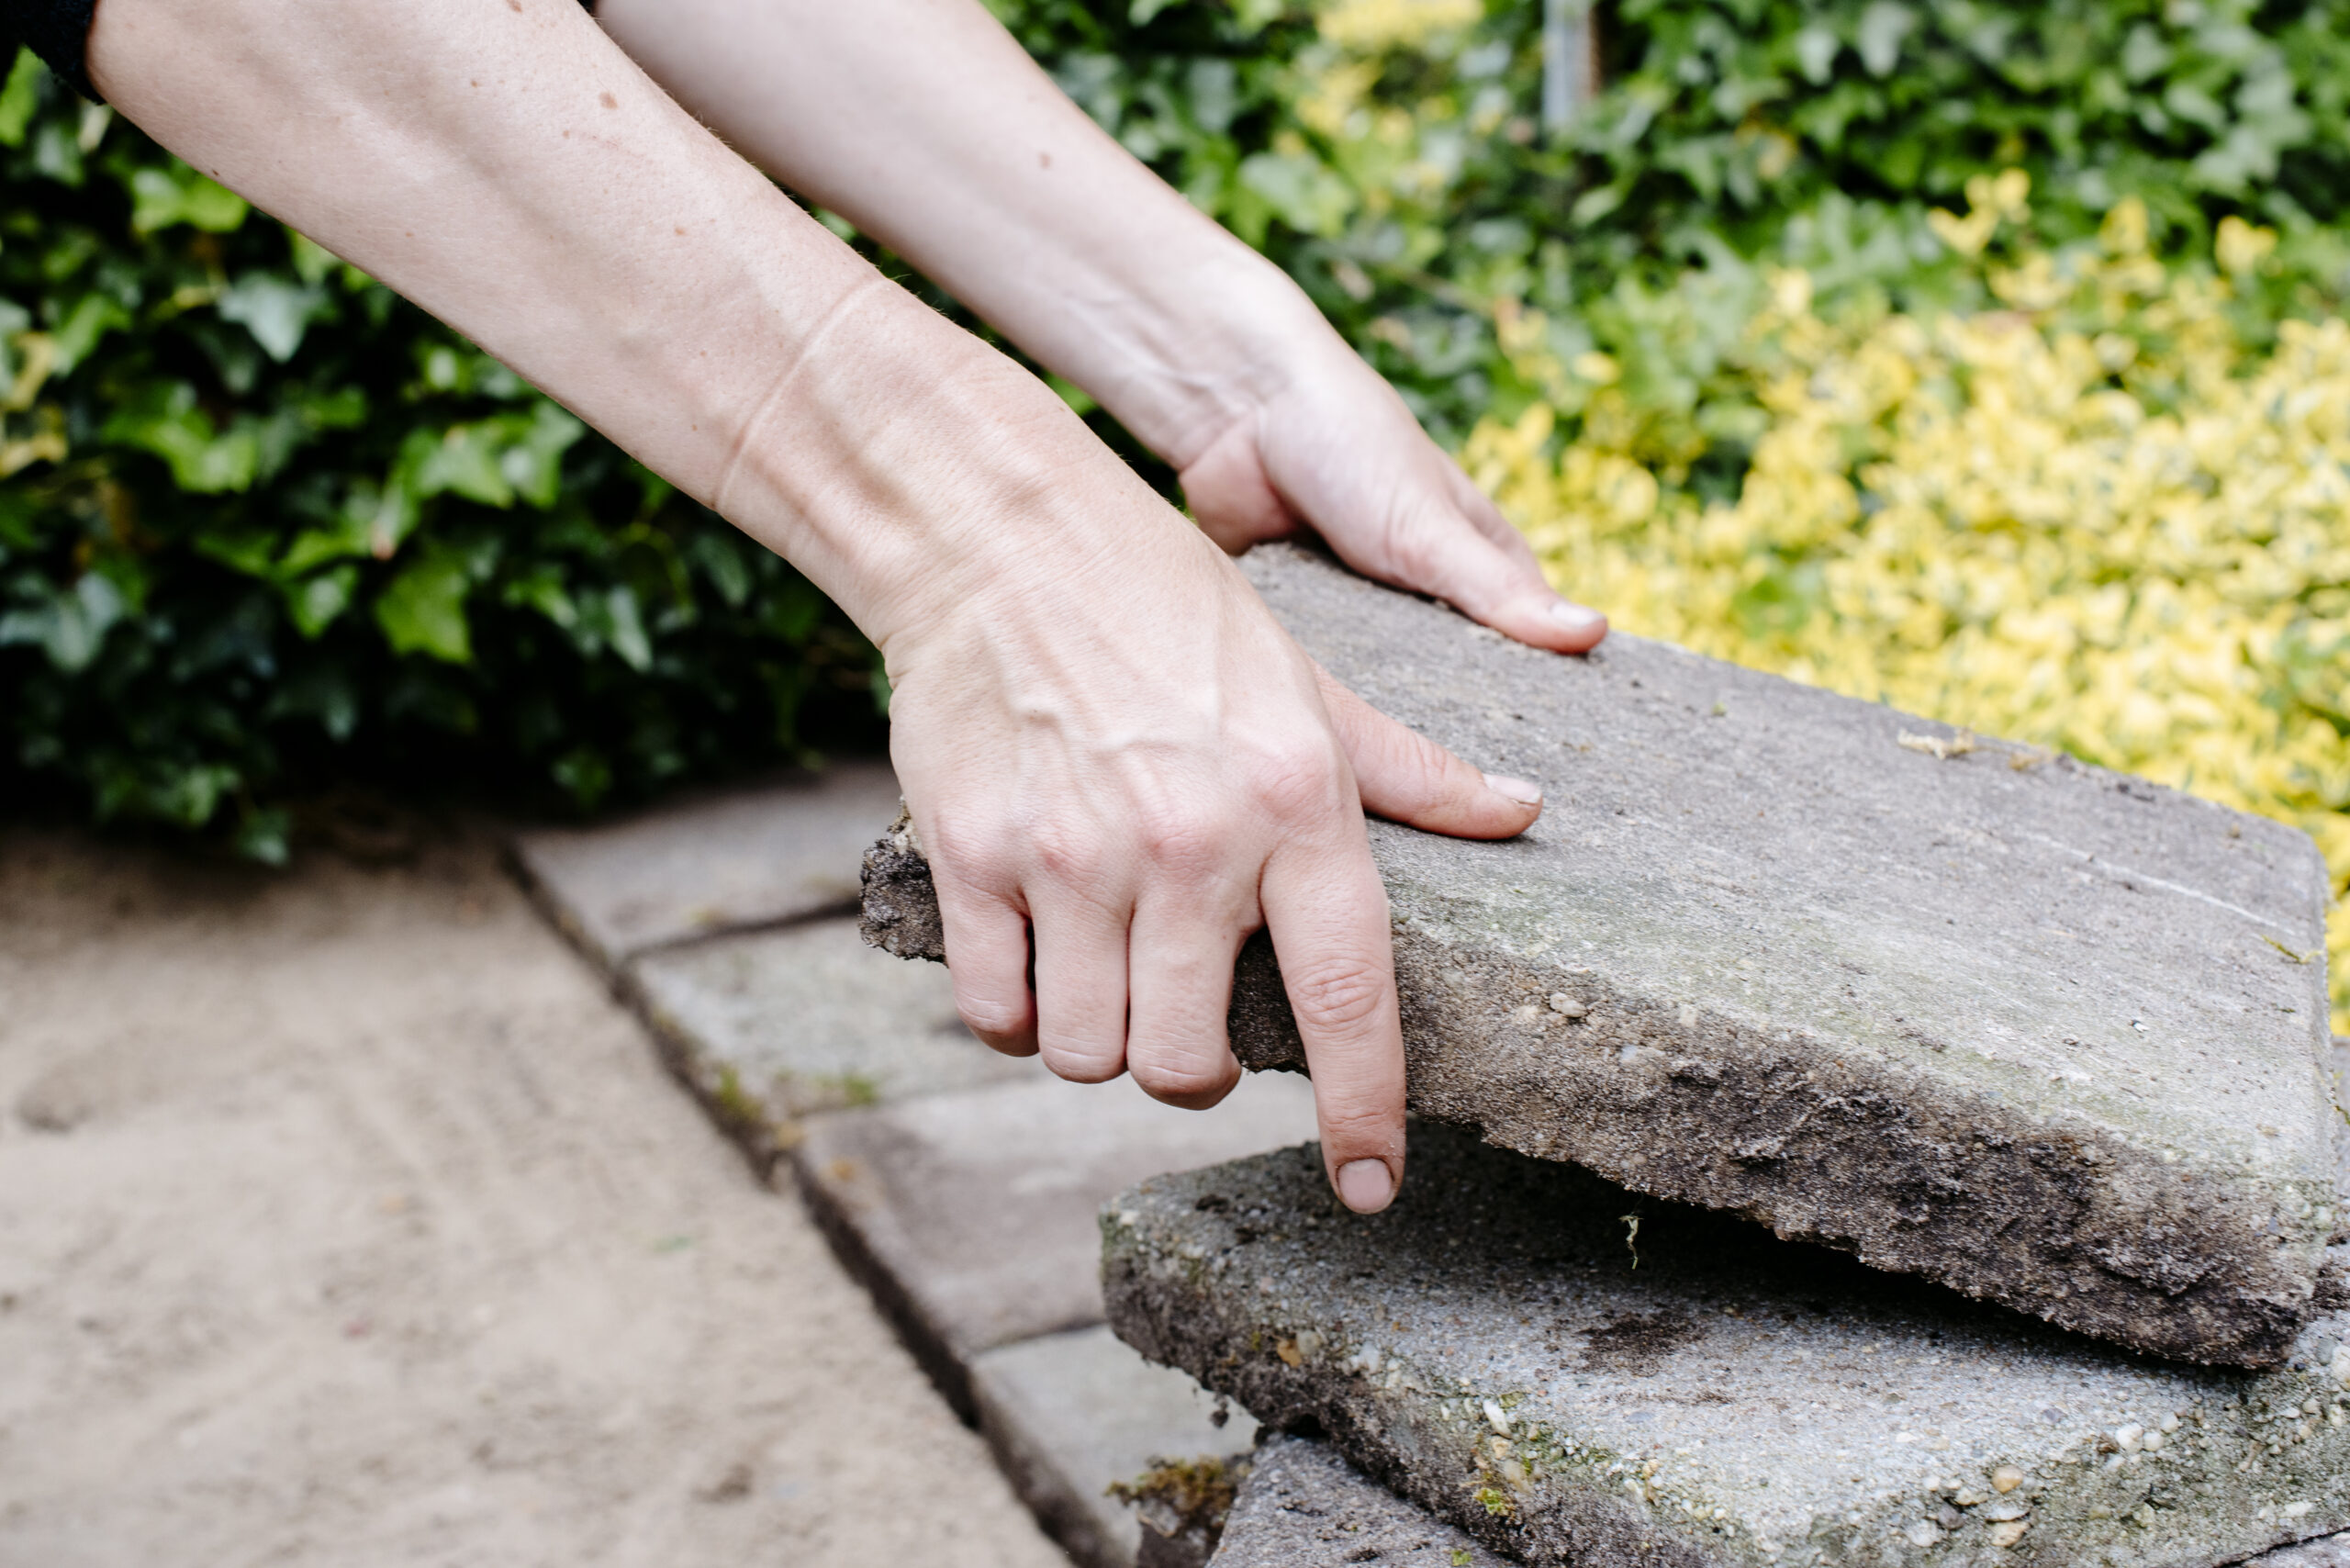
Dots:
(1504, 1349)
(2007, 1033)
(961, 1186)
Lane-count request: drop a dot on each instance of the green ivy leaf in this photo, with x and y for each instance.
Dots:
(1882, 27)
(86, 321)
(1303, 191)
(186, 795)
(422, 611)
(613, 620)
(315, 604)
(175, 194)
(266, 834)
(165, 420)
(541, 588)
(20, 96)
(313, 263)
(69, 626)
(464, 462)
(276, 310)
(533, 462)
(1815, 50)
(241, 545)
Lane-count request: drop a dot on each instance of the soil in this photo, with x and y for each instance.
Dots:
(345, 1219)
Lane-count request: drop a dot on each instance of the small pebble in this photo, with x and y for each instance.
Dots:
(1566, 1006)
(2006, 1479)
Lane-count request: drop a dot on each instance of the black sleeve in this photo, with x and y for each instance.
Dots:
(54, 29)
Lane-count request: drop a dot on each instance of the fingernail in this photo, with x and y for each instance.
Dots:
(1576, 619)
(1365, 1186)
(1516, 790)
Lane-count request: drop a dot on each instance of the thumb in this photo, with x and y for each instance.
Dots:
(1407, 778)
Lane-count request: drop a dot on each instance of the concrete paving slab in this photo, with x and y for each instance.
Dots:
(1303, 1506)
(720, 862)
(774, 1026)
(973, 1216)
(1073, 1415)
(2046, 1034)
(1575, 1375)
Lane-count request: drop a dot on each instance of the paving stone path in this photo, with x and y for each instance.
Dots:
(2046, 1034)
(2029, 1029)
(961, 1186)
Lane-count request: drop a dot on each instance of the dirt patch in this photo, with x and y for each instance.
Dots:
(1638, 1342)
(345, 1219)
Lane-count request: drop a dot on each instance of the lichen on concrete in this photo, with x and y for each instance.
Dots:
(2014, 1023)
(1489, 1350)
(1304, 1507)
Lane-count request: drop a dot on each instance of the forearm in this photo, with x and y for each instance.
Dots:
(507, 168)
(925, 123)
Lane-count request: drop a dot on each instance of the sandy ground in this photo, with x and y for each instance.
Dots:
(345, 1220)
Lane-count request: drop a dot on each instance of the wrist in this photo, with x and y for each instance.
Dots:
(911, 470)
(1199, 345)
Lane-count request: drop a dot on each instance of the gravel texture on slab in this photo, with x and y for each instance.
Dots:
(1304, 1507)
(773, 1027)
(757, 855)
(2039, 1032)
(1573, 1374)
(1073, 1415)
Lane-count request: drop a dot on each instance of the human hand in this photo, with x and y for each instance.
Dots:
(1118, 750)
(1328, 445)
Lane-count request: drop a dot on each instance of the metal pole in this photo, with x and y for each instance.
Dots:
(1570, 62)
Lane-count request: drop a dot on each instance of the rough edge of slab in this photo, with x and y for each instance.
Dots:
(1258, 1534)
(899, 913)
(2097, 1214)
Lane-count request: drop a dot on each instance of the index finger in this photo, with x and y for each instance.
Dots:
(1327, 913)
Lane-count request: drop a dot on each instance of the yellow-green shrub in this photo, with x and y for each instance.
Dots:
(2109, 516)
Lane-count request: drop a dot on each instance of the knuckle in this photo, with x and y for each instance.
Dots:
(1339, 993)
(1300, 783)
(971, 849)
(1180, 837)
(1067, 854)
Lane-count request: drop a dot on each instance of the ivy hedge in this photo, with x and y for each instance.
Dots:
(263, 527)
